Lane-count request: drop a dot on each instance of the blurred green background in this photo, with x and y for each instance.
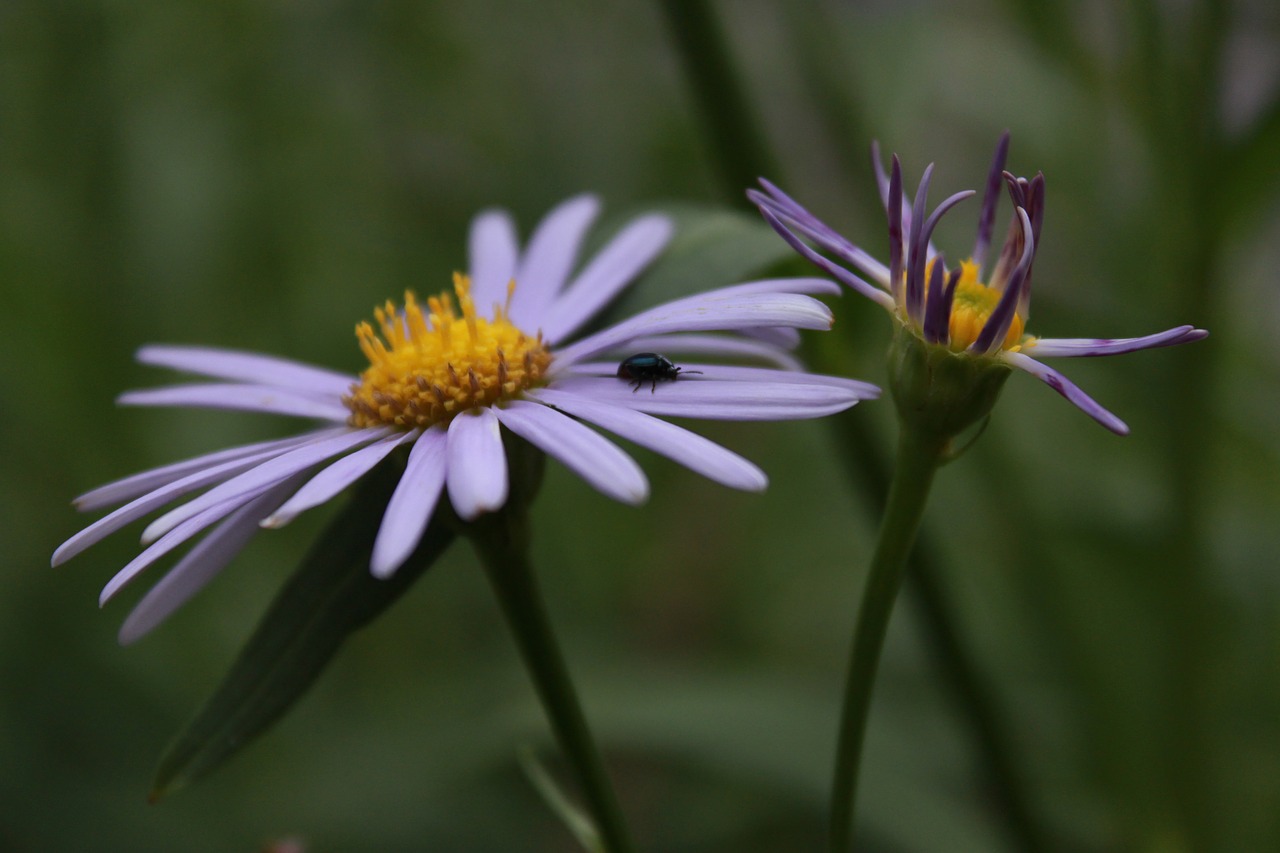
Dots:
(260, 174)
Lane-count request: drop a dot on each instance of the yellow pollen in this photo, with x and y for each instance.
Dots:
(972, 308)
(426, 367)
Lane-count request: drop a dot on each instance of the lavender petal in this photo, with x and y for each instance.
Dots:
(592, 457)
(475, 464)
(721, 346)
(687, 448)
(617, 264)
(713, 399)
(998, 323)
(493, 249)
(324, 486)
(249, 398)
(200, 565)
(412, 503)
(860, 285)
(268, 473)
(250, 367)
(548, 258)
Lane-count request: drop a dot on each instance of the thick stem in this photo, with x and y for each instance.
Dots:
(505, 556)
(917, 461)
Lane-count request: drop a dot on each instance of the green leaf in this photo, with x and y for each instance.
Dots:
(713, 247)
(329, 596)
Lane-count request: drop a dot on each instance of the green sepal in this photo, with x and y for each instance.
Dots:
(940, 392)
(330, 596)
(579, 824)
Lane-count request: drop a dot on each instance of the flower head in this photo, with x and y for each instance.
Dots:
(495, 353)
(974, 309)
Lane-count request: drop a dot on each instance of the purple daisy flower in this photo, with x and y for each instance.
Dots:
(957, 308)
(445, 379)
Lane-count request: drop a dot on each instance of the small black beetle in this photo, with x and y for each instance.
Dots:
(649, 367)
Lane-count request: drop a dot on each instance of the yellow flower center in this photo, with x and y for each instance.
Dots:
(426, 367)
(972, 308)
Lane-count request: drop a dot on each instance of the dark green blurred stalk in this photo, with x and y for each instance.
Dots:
(919, 455)
(501, 542)
(742, 154)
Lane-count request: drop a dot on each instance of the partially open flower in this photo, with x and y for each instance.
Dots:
(447, 379)
(976, 308)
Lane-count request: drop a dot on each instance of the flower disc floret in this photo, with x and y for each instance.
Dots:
(427, 366)
(973, 306)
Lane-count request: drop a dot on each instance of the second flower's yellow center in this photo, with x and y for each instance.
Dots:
(427, 366)
(972, 308)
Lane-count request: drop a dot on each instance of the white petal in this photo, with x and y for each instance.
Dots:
(249, 398)
(269, 473)
(200, 565)
(606, 275)
(249, 367)
(493, 249)
(589, 455)
(333, 479)
(477, 464)
(411, 504)
(689, 449)
(549, 257)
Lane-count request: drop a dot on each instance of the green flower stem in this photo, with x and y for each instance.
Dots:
(919, 455)
(501, 541)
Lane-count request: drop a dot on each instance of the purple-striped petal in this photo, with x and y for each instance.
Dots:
(493, 251)
(687, 448)
(476, 464)
(917, 249)
(1086, 347)
(548, 258)
(200, 565)
(990, 200)
(249, 398)
(715, 399)
(810, 227)
(248, 367)
(860, 285)
(1068, 389)
(609, 272)
(270, 472)
(324, 486)
(585, 452)
(997, 326)
(412, 503)
(135, 485)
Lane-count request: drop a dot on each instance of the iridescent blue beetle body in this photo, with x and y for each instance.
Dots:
(649, 367)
